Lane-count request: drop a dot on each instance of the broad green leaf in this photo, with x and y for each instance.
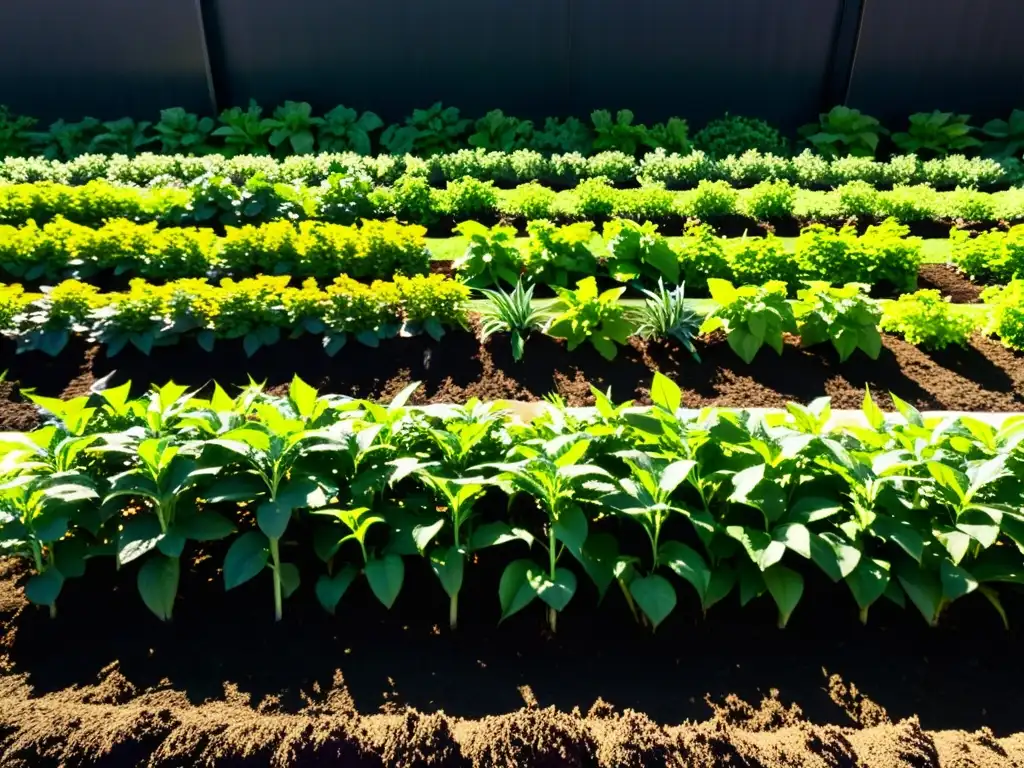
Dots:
(665, 393)
(493, 534)
(786, 588)
(957, 543)
(204, 526)
(723, 579)
(272, 518)
(907, 411)
(140, 535)
(571, 529)
(834, 555)
(555, 592)
(303, 397)
(763, 550)
(795, 536)
(385, 575)
(924, 590)
(687, 563)
(674, 474)
(448, 565)
(655, 596)
(811, 509)
(290, 578)
(43, 588)
(906, 537)
(246, 557)
(424, 534)
(599, 558)
(330, 589)
(515, 591)
(868, 581)
(956, 581)
(158, 585)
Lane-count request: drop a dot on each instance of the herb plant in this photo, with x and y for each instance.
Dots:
(664, 315)
(183, 132)
(495, 131)
(511, 313)
(345, 130)
(618, 132)
(844, 131)
(926, 319)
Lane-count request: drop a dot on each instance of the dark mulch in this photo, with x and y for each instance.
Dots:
(949, 281)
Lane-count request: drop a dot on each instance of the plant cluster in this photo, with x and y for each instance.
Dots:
(258, 310)
(509, 168)
(1006, 318)
(217, 202)
(726, 504)
(638, 253)
(61, 249)
(292, 128)
(995, 256)
(928, 320)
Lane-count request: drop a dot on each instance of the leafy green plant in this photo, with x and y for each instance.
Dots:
(618, 132)
(1006, 318)
(926, 319)
(637, 250)
(587, 315)
(554, 253)
(491, 257)
(183, 132)
(124, 136)
(426, 131)
(66, 141)
(292, 127)
(844, 131)
(665, 315)
(511, 313)
(845, 315)
(1006, 137)
(14, 133)
(555, 475)
(278, 468)
(41, 496)
(672, 135)
(646, 497)
(497, 132)
(569, 135)
(245, 131)
(751, 316)
(989, 256)
(936, 132)
(734, 135)
(345, 130)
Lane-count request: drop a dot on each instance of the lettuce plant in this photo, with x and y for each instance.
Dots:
(845, 315)
(637, 250)
(292, 127)
(844, 131)
(183, 132)
(345, 130)
(751, 316)
(938, 133)
(618, 132)
(586, 315)
(491, 257)
(498, 132)
(926, 319)
(244, 131)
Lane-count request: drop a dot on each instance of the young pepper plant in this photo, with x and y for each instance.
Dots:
(41, 494)
(554, 474)
(278, 470)
(646, 498)
(166, 481)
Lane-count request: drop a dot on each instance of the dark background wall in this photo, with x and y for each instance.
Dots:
(783, 60)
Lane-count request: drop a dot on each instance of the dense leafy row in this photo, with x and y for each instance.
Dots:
(724, 503)
(990, 256)
(257, 310)
(551, 254)
(260, 310)
(673, 170)
(555, 255)
(345, 199)
(60, 248)
(292, 128)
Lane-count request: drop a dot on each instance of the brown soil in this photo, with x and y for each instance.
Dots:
(106, 684)
(949, 281)
(985, 376)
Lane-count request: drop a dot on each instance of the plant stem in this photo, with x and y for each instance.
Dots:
(552, 613)
(276, 556)
(453, 612)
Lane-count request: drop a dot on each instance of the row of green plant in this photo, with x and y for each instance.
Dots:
(995, 256)
(551, 254)
(261, 311)
(293, 128)
(631, 252)
(60, 249)
(345, 200)
(674, 170)
(665, 511)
